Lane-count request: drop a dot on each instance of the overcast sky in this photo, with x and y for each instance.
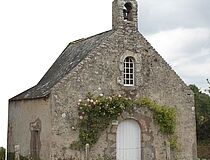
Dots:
(34, 33)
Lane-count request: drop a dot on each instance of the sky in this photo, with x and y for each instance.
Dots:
(34, 33)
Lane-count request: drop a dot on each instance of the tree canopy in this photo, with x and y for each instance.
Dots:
(202, 108)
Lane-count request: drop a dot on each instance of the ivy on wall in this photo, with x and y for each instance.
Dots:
(96, 114)
(164, 116)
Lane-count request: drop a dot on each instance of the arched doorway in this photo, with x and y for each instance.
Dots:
(128, 140)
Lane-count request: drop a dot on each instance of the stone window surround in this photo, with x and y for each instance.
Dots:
(137, 69)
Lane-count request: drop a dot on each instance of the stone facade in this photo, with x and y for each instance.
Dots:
(101, 72)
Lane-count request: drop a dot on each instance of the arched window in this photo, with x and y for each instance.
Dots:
(127, 12)
(129, 71)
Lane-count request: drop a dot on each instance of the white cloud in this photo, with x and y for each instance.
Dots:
(161, 15)
(195, 69)
(187, 50)
(172, 43)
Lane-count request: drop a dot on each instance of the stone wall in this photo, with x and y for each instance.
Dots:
(100, 73)
(24, 116)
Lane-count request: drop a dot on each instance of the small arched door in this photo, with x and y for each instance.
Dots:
(128, 140)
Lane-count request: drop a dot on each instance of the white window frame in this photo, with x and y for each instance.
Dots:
(128, 68)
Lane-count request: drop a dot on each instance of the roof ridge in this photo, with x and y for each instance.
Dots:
(83, 39)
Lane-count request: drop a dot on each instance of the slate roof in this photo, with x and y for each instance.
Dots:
(72, 55)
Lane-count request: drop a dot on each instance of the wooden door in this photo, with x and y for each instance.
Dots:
(35, 145)
(128, 140)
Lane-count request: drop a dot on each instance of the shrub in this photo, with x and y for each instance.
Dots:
(2, 153)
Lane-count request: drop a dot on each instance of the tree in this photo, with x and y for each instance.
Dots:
(202, 109)
(2, 153)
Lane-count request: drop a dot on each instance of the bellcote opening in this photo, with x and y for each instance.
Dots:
(127, 12)
(124, 14)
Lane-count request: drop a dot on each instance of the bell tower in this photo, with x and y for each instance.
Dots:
(124, 14)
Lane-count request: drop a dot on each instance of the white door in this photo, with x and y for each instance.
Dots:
(128, 140)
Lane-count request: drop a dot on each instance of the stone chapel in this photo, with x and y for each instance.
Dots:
(43, 120)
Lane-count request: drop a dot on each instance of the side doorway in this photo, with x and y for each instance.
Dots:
(35, 142)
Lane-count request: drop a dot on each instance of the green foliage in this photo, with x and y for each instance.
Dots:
(76, 145)
(202, 110)
(96, 113)
(2, 153)
(164, 116)
(173, 142)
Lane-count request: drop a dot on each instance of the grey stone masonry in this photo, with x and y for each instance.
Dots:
(118, 13)
(97, 65)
